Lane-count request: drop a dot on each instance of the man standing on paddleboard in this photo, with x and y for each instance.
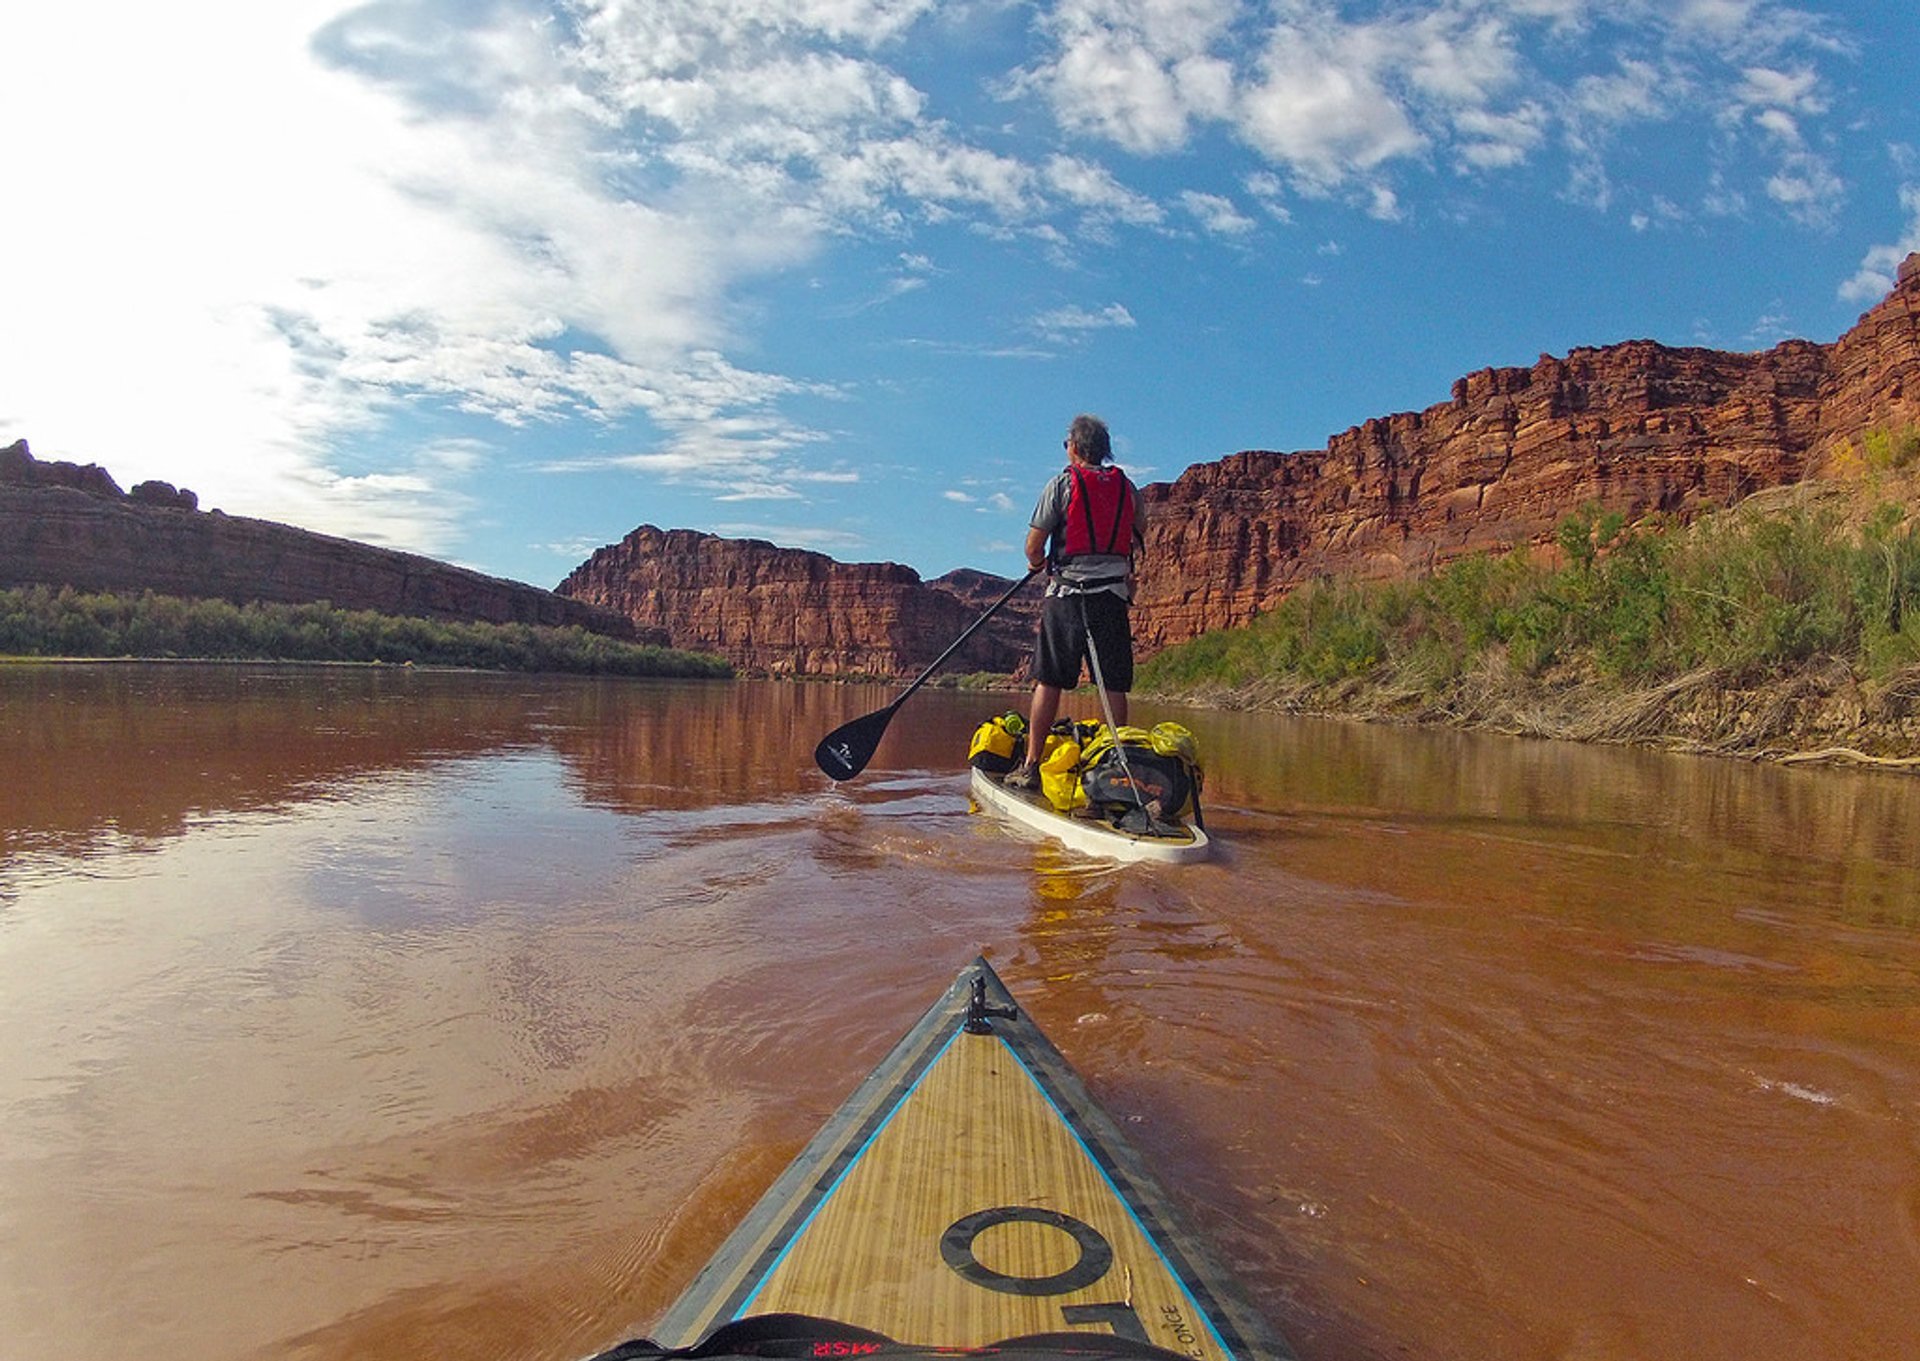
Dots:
(1086, 529)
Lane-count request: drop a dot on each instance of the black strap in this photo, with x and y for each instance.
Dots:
(1120, 509)
(769, 1335)
(1086, 509)
(1073, 586)
(798, 1336)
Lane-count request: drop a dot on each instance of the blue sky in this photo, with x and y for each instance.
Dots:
(499, 281)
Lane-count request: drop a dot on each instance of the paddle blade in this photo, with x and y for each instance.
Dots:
(844, 752)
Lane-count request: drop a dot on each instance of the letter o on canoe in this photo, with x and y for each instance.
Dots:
(956, 1247)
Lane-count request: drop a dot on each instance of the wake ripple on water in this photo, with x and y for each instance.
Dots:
(419, 1016)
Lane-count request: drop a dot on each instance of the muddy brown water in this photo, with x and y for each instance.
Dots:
(373, 1014)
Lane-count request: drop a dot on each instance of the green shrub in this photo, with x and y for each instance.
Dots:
(1746, 594)
(1885, 449)
(42, 621)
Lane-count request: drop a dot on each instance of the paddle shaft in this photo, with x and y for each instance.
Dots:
(1106, 707)
(972, 628)
(844, 752)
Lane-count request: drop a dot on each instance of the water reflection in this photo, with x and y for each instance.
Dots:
(408, 1014)
(95, 752)
(1847, 833)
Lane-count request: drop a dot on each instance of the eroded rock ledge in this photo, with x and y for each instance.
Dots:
(66, 524)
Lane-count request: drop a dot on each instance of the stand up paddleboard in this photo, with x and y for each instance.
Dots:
(970, 1192)
(1084, 832)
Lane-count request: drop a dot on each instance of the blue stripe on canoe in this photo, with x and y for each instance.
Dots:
(1071, 1125)
(853, 1162)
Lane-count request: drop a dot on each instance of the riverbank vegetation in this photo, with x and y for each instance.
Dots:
(41, 621)
(1788, 626)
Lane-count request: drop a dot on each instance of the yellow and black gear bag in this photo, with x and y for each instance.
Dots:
(1060, 773)
(999, 744)
(1160, 771)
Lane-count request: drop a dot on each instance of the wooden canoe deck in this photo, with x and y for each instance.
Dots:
(971, 1192)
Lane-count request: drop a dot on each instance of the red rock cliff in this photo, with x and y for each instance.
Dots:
(1634, 427)
(792, 612)
(66, 525)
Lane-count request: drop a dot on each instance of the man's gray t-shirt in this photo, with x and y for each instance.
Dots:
(1087, 571)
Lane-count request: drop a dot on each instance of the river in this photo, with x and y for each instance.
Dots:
(366, 1013)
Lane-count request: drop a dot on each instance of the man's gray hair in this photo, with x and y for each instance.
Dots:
(1089, 436)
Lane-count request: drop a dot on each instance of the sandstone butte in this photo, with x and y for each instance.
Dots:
(1635, 427)
(64, 524)
(791, 612)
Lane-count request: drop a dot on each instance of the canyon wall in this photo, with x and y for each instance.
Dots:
(1635, 427)
(63, 524)
(787, 611)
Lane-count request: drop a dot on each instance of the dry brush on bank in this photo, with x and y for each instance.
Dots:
(1786, 628)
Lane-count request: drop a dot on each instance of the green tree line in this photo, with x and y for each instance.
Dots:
(1745, 595)
(42, 621)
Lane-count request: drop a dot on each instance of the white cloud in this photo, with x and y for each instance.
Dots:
(1087, 185)
(1138, 71)
(819, 539)
(1637, 91)
(572, 550)
(455, 455)
(287, 242)
(261, 288)
(1116, 88)
(1383, 204)
(1320, 108)
(1879, 268)
(1068, 322)
(929, 171)
(1775, 102)
(1765, 88)
(1217, 214)
(758, 491)
(1497, 141)
(1267, 192)
(732, 456)
(1807, 188)
(1490, 84)
(1718, 18)
(1458, 59)
(1770, 328)
(1753, 30)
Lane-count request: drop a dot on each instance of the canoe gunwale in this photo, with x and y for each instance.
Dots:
(777, 1218)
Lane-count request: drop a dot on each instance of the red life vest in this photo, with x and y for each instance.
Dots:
(1099, 513)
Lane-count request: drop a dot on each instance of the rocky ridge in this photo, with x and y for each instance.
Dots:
(788, 611)
(66, 524)
(1635, 427)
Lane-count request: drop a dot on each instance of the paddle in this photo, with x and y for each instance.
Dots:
(844, 752)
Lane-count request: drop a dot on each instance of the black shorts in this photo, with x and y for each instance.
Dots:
(1062, 649)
